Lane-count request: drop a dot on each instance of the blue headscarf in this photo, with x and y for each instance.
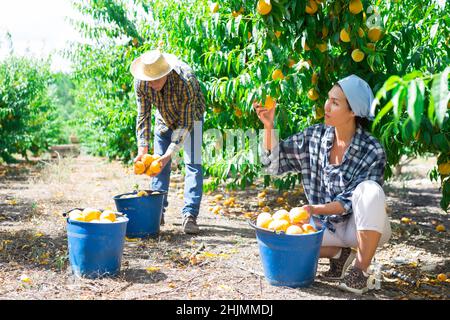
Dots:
(359, 96)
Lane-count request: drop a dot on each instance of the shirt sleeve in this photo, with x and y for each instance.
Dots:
(285, 156)
(374, 170)
(186, 122)
(143, 121)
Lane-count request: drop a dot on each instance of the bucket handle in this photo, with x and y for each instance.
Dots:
(66, 214)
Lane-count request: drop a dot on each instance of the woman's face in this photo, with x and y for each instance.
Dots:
(157, 85)
(337, 110)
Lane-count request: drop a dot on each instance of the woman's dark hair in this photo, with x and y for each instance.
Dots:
(360, 121)
(363, 122)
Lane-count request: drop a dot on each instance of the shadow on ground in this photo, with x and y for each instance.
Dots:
(216, 234)
(33, 250)
(141, 276)
(420, 205)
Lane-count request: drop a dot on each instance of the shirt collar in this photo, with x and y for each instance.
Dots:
(354, 144)
(168, 85)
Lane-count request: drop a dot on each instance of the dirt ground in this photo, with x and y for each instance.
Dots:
(33, 244)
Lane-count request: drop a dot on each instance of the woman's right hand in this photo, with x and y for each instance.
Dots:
(265, 115)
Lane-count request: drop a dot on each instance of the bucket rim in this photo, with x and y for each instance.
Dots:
(252, 223)
(149, 192)
(120, 214)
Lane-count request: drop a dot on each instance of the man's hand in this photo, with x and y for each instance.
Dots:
(163, 160)
(141, 152)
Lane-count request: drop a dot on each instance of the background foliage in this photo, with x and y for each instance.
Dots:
(29, 119)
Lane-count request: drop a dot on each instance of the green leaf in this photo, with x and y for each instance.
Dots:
(433, 30)
(237, 23)
(441, 142)
(269, 55)
(229, 62)
(250, 98)
(440, 94)
(407, 130)
(397, 101)
(412, 95)
(413, 75)
(229, 28)
(392, 83)
(383, 112)
(415, 102)
(426, 137)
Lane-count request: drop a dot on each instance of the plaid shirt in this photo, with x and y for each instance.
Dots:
(179, 104)
(308, 153)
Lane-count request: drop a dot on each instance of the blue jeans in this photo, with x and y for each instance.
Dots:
(193, 181)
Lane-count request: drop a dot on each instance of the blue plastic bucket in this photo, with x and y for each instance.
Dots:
(289, 260)
(144, 213)
(95, 249)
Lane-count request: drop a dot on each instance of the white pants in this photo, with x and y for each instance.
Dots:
(369, 213)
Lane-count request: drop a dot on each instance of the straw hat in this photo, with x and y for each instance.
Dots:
(153, 65)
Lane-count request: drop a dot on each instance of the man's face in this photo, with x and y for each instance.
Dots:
(157, 85)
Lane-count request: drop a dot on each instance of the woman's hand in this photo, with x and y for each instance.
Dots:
(265, 115)
(330, 208)
(309, 208)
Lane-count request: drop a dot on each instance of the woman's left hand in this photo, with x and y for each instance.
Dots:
(309, 208)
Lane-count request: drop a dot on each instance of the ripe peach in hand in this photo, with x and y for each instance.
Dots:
(270, 103)
(299, 215)
(154, 168)
(147, 159)
(139, 167)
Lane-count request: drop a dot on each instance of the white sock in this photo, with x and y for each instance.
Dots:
(338, 255)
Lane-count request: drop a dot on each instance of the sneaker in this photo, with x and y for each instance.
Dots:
(339, 266)
(190, 225)
(356, 281)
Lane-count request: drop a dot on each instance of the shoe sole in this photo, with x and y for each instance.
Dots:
(344, 287)
(347, 263)
(191, 232)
